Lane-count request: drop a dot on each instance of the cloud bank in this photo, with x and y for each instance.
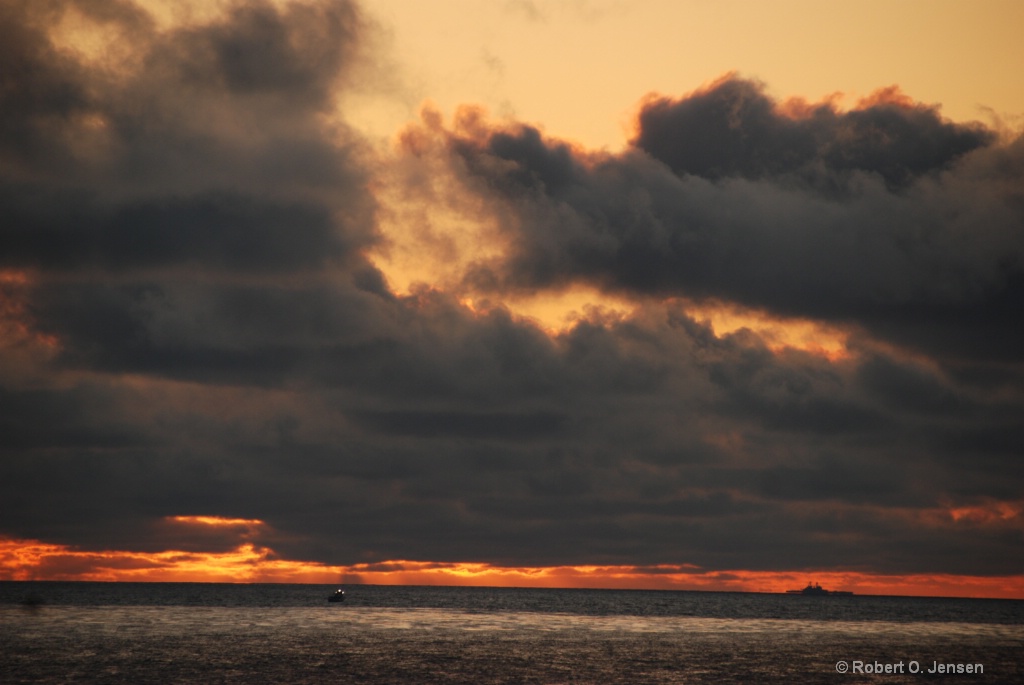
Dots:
(885, 217)
(192, 322)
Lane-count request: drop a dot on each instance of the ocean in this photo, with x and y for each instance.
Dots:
(55, 632)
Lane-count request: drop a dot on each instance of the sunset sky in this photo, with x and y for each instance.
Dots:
(651, 294)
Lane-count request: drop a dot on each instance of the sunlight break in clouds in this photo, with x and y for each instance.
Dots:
(216, 521)
(245, 563)
(249, 563)
(435, 231)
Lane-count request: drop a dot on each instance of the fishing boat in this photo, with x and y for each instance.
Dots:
(338, 596)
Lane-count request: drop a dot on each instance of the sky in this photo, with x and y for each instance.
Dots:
(669, 295)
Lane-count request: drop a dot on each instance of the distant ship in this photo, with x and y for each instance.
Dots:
(338, 596)
(818, 591)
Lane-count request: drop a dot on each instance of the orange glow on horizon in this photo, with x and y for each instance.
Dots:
(22, 560)
(247, 563)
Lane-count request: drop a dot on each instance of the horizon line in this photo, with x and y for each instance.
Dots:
(486, 587)
(249, 563)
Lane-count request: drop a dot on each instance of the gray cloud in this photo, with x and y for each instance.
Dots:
(929, 259)
(733, 129)
(230, 230)
(189, 324)
(207, 149)
(607, 468)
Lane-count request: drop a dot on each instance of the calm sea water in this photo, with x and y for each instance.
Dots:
(220, 633)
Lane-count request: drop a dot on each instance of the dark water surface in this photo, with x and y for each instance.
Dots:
(221, 633)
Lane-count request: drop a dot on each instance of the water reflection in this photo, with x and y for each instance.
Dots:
(441, 619)
(141, 644)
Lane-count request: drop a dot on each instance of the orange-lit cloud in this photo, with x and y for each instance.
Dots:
(891, 95)
(250, 563)
(989, 513)
(557, 311)
(433, 227)
(92, 41)
(22, 347)
(15, 321)
(775, 332)
(216, 521)
(801, 108)
(247, 563)
(435, 230)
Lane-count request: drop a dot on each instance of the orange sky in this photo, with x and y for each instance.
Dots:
(249, 562)
(579, 68)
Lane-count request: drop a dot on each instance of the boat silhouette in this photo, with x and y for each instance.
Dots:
(817, 590)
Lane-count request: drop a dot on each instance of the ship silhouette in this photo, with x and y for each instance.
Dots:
(817, 590)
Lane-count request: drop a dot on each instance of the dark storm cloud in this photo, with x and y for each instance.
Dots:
(504, 426)
(630, 478)
(228, 230)
(296, 53)
(636, 473)
(183, 210)
(212, 332)
(47, 419)
(733, 129)
(207, 148)
(189, 326)
(206, 156)
(922, 247)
